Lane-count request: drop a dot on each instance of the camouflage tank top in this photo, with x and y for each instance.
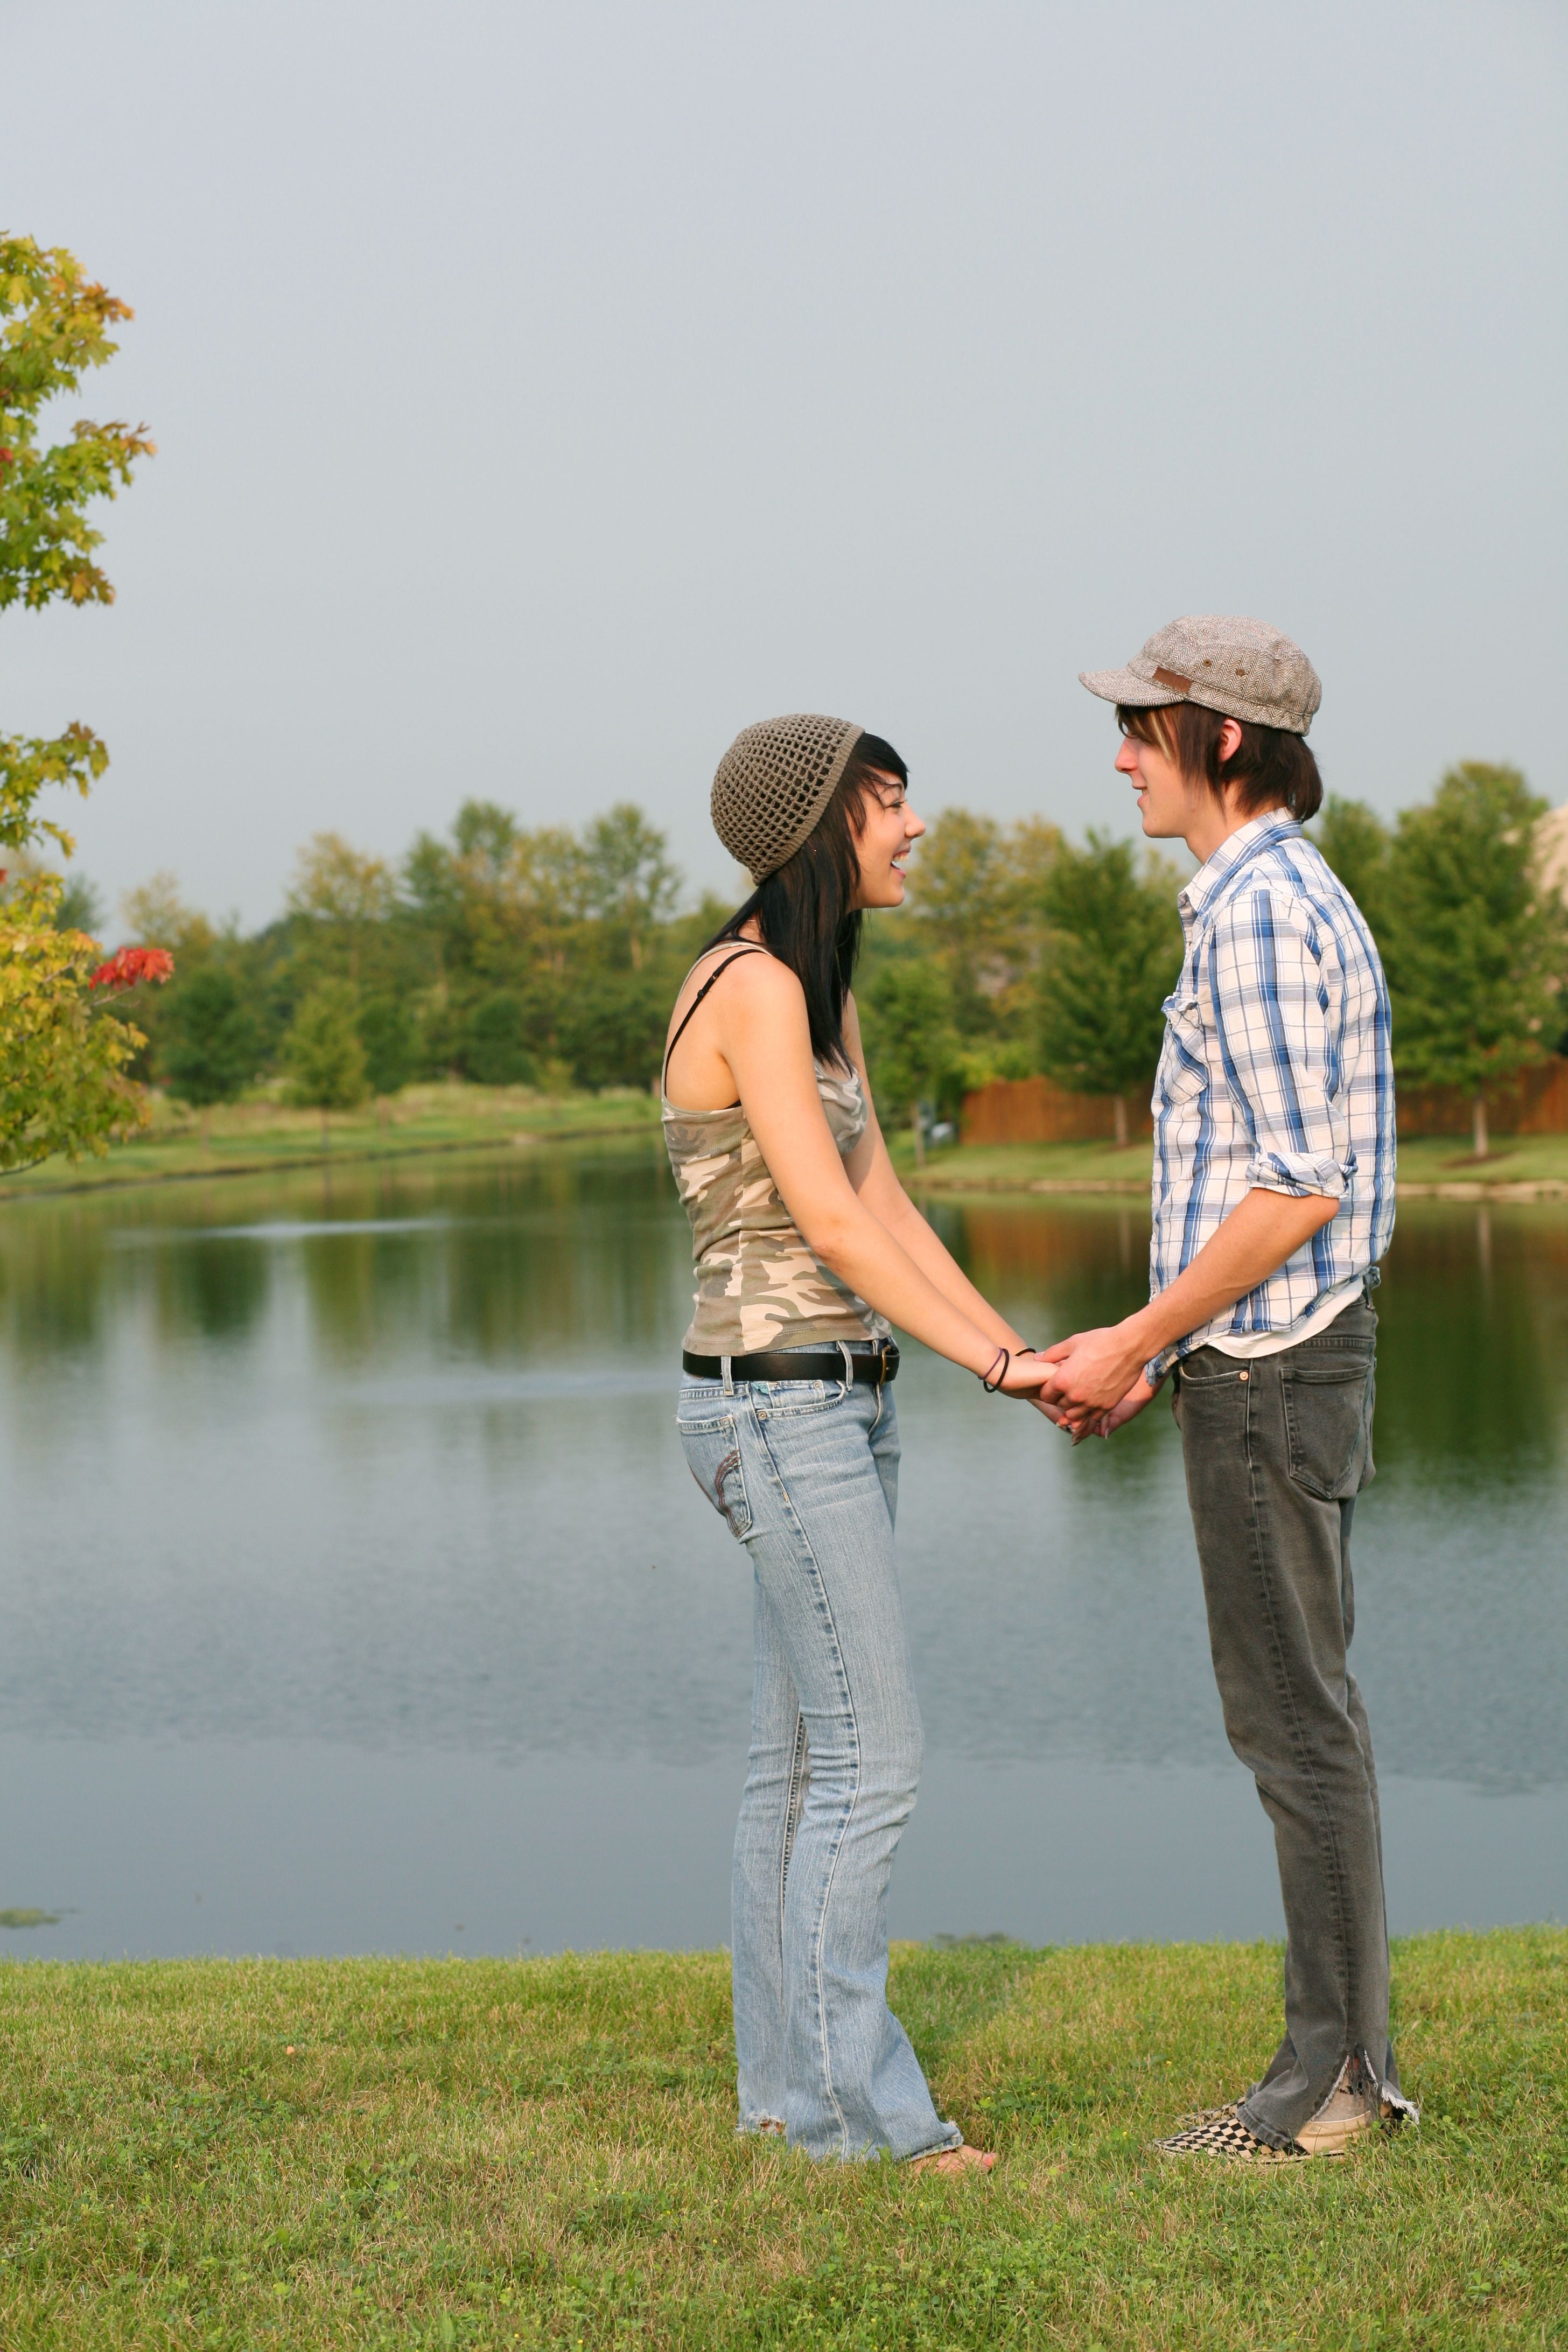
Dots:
(758, 1285)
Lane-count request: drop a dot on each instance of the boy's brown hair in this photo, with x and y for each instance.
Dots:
(1270, 767)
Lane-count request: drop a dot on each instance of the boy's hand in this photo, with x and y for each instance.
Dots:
(1093, 1372)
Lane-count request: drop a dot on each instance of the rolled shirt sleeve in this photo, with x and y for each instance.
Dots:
(1274, 988)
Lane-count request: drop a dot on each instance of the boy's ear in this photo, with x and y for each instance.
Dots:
(1229, 741)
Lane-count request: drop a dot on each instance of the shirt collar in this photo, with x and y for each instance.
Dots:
(1257, 832)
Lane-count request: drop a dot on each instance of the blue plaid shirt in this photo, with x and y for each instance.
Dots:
(1277, 1074)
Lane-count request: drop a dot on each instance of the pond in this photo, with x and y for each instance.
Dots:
(356, 1595)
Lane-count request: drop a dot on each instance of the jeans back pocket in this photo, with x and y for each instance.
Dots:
(712, 1449)
(1328, 1422)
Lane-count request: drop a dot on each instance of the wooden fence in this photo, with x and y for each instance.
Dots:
(1037, 1110)
(1536, 1104)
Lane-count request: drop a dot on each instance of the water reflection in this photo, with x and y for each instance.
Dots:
(1473, 1315)
(211, 1290)
(52, 1281)
(382, 1461)
(1473, 1377)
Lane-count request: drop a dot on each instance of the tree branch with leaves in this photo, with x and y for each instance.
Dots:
(62, 1082)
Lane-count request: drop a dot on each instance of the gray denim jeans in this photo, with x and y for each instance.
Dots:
(1276, 1449)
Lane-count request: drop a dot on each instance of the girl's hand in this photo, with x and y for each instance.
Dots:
(1133, 1404)
(1045, 1403)
(1080, 1424)
(1026, 1376)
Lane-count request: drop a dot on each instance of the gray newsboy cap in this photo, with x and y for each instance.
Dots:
(1242, 667)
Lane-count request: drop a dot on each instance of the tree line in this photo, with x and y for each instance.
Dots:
(548, 957)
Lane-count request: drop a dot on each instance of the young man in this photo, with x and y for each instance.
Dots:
(1273, 1202)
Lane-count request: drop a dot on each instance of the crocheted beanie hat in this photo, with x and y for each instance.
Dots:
(774, 782)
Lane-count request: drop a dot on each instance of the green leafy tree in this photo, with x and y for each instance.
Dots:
(433, 893)
(525, 910)
(494, 1042)
(323, 1053)
(211, 1040)
(1474, 940)
(438, 1036)
(155, 910)
(465, 892)
(495, 903)
(81, 905)
(63, 1083)
(628, 882)
(913, 1051)
(342, 900)
(975, 894)
(57, 327)
(1357, 844)
(1114, 951)
(486, 836)
(63, 1066)
(391, 1043)
(610, 1027)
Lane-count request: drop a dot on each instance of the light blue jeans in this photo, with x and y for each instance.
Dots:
(806, 1475)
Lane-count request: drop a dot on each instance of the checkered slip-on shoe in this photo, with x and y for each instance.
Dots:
(1219, 2131)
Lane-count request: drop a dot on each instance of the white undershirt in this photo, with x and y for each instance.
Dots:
(1272, 1343)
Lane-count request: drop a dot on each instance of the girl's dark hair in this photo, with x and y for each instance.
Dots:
(804, 911)
(1270, 767)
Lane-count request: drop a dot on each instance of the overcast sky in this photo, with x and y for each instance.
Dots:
(543, 393)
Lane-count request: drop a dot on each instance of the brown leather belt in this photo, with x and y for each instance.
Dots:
(790, 1364)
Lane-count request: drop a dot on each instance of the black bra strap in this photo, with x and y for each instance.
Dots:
(696, 999)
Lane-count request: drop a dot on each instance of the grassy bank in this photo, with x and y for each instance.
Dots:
(253, 1138)
(487, 2153)
(1526, 1167)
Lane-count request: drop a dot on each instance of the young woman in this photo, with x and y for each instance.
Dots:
(806, 1249)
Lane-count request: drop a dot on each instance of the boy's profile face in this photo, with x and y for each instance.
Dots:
(1164, 795)
(1174, 806)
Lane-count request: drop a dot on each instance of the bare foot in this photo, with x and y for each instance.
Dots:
(954, 2159)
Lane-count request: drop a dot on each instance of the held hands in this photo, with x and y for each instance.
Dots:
(1097, 1377)
(1096, 1384)
(1076, 1390)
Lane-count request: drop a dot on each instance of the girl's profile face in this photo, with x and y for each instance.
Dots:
(888, 831)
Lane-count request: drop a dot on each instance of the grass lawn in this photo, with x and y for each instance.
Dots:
(541, 2152)
(1427, 1163)
(254, 1138)
(1020, 1167)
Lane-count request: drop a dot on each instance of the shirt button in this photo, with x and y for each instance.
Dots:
(1241, 1376)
